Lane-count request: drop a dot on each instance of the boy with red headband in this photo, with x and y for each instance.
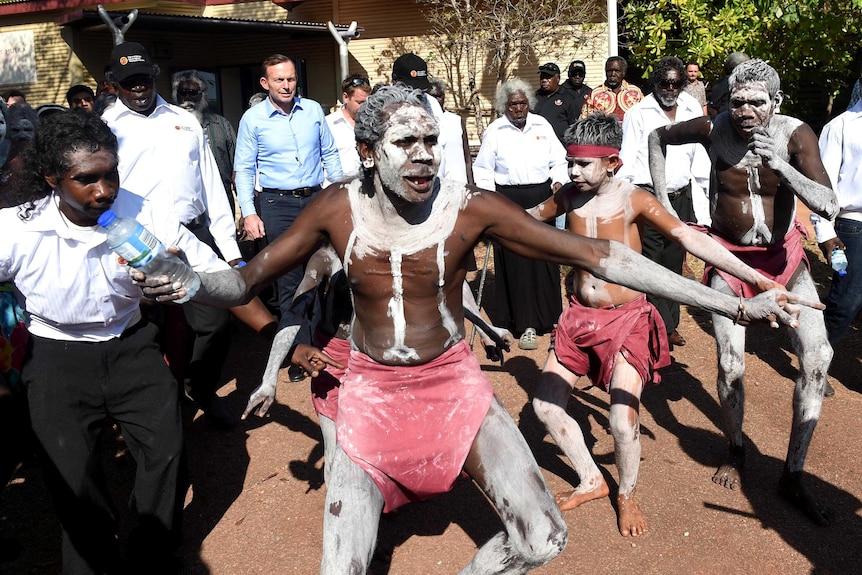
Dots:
(610, 332)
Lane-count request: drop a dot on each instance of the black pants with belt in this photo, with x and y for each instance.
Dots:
(72, 388)
(668, 253)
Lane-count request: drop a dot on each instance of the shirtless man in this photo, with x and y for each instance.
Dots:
(326, 281)
(610, 332)
(414, 408)
(761, 163)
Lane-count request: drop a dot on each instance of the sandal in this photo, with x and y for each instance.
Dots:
(528, 339)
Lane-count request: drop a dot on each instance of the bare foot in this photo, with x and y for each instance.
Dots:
(729, 475)
(632, 521)
(790, 487)
(571, 499)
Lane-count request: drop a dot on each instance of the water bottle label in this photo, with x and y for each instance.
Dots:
(139, 249)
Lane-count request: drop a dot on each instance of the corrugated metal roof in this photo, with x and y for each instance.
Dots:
(173, 22)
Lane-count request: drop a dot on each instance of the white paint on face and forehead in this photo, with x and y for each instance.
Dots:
(757, 107)
(408, 148)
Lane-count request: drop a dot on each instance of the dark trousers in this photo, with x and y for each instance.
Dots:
(844, 301)
(668, 253)
(278, 213)
(73, 387)
(211, 342)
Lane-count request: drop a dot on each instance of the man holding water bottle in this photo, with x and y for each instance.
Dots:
(92, 355)
(840, 150)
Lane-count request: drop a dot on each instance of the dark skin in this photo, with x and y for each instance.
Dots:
(549, 82)
(615, 73)
(761, 163)
(90, 186)
(138, 93)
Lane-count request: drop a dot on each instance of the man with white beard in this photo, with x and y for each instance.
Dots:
(189, 92)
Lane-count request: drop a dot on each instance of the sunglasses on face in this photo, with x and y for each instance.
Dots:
(184, 92)
(671, 84)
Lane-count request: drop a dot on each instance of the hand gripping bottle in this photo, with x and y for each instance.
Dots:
(839, 258)
(142, 250)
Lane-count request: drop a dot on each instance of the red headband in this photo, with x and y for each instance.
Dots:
(582, 151)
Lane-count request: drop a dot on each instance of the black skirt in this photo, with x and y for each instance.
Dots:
(528, 291)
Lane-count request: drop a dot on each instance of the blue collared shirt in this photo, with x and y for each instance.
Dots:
(287, 151)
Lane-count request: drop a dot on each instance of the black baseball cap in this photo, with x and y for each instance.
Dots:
(577, 65)
(412, 70)
(549, 68)
(128, 59)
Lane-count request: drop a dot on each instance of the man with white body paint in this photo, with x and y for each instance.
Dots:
(326, 281)
(761, 163)
(413, 392)
(609, 332)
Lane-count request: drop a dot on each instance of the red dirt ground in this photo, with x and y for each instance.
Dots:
(257, 494)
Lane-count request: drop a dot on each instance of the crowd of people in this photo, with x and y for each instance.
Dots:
(365, 221)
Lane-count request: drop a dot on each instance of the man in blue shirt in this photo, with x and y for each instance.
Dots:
(286, 142)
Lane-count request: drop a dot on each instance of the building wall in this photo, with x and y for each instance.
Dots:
(393, 27)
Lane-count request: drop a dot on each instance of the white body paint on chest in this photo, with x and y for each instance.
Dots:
(378, 230)
(759, 234)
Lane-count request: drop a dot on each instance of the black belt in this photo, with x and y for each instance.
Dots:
(670, 195)
(297, 193)
(198, 222)
(677, 193)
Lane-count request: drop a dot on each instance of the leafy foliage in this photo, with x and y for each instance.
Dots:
(807, 41)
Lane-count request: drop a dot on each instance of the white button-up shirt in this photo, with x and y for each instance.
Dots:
(684, 162)
(345, 141)
(164, 157)
(841, 152)
(74, 285)
(510, 157)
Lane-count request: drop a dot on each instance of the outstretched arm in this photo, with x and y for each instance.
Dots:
(804, 173)
(699, 244)
(550, 208)
(616, 263)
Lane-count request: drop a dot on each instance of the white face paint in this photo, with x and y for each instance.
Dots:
(408, 154)
(750, 107)
(588, 174)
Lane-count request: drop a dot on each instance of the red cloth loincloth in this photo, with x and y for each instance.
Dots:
(324, 387)
(411, 427)
(588, 340)
(778, 261)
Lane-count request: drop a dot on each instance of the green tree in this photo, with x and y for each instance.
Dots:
(809, 42)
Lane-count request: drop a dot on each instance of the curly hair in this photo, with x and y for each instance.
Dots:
(510, 88)
(190, 77)
(57, 137)
(662, 67)
(372, 118)
(596, 129)
(756, 70)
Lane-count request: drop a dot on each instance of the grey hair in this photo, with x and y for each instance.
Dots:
(733, 60)
(257, 98)
(596, 129)
(372, 118)
(437, 83)
(191, 76)
(510, 88)
(756, 70)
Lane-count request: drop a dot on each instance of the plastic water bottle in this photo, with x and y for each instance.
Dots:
(839, 258)
(142, 250)
(839, 261)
